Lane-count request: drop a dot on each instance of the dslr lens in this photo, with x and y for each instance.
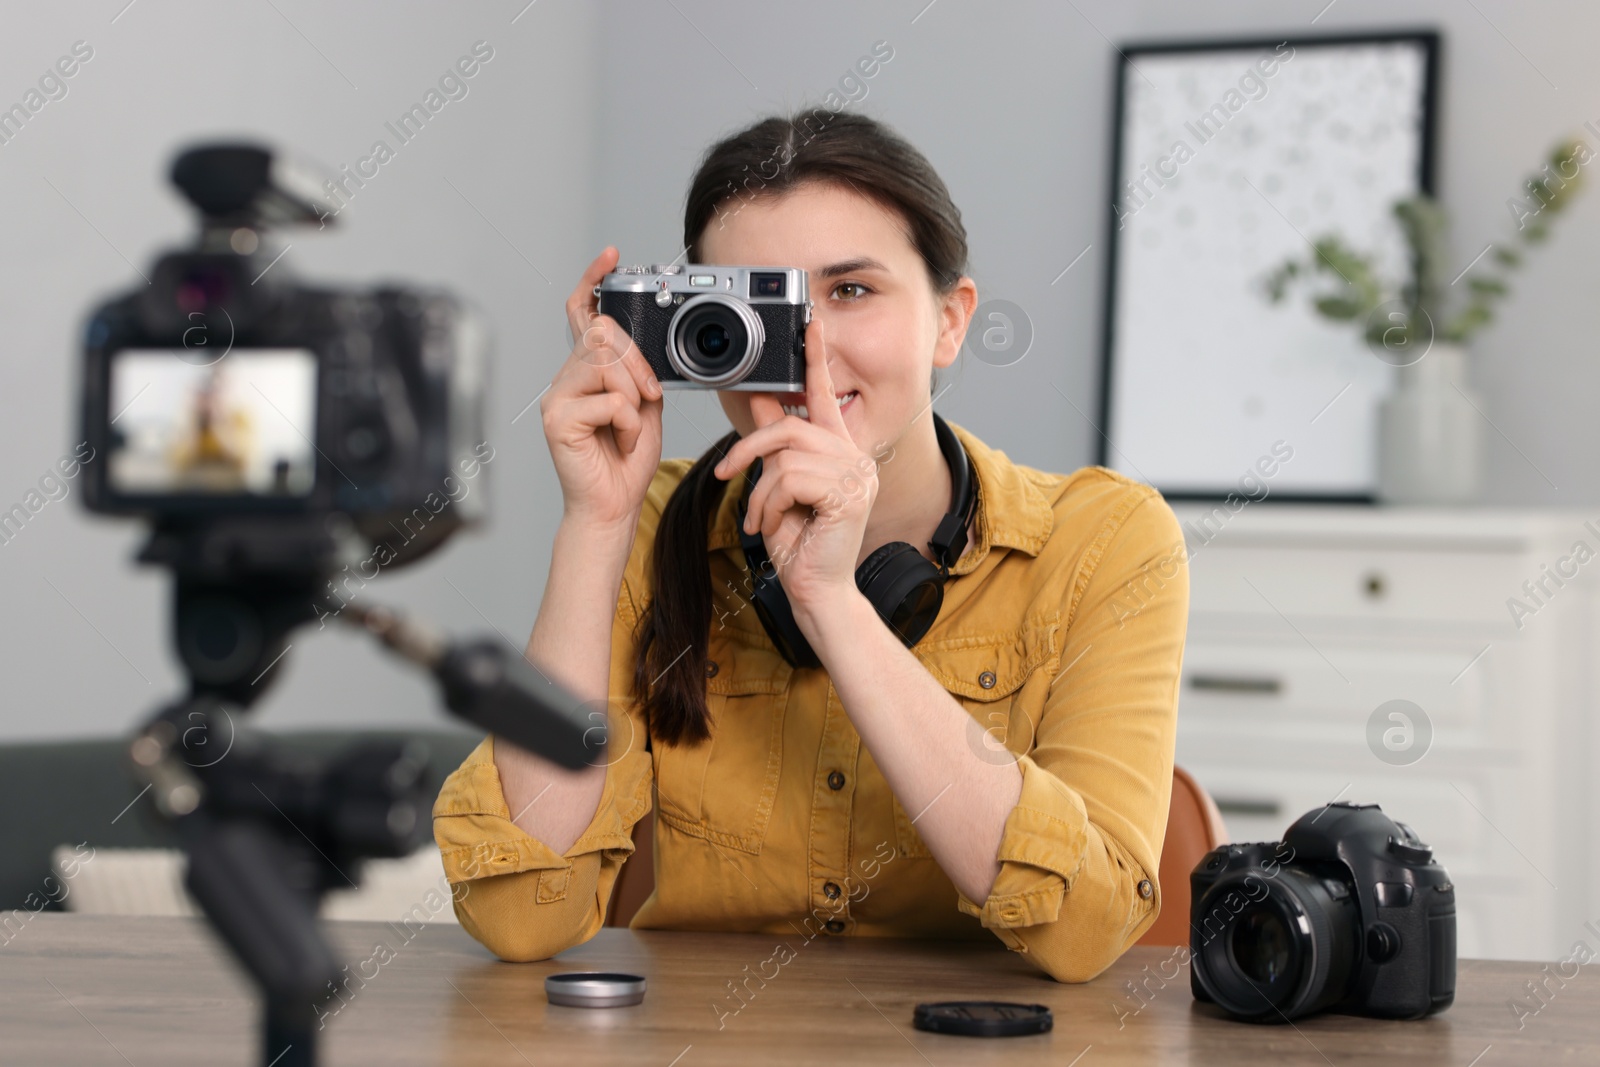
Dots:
(1261, 946)
(1270, 948)
(714, 340)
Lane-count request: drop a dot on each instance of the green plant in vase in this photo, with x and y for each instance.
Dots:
(1416, 307)
(1429, 435)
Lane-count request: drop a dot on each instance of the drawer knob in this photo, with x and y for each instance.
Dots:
(1375, 585)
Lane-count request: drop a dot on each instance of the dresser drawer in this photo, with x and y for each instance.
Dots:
(1357, 583)
(1285, 686)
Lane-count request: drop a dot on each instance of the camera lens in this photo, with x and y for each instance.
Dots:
(1261, 946)
(711, 336)
(1273, 947)
(714, 340)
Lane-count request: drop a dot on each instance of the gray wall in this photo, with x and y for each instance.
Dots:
(85, 633)
(583, 130)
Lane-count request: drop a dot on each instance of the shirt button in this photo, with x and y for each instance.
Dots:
(1145, 888)
(830, 890)
(835, 781)
(711, 668)
(986, 679)
(835, 926)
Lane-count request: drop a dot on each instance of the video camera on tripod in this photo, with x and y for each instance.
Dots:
(272, 433)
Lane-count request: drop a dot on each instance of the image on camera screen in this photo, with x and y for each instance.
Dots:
(240, 426)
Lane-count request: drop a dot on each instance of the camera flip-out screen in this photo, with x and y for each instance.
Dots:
(242, 425)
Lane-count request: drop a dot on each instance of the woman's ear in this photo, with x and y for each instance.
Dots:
(955, 315)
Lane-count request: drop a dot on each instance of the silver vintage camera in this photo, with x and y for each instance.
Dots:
(714, 327)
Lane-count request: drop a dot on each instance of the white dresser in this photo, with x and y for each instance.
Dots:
(1305, 619)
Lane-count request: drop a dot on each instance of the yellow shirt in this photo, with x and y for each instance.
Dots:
(1061, 633)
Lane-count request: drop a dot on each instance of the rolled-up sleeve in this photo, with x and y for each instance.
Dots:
(513, 893)
(1080, 852)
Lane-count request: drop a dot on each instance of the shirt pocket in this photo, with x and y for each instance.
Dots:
(988, 674)
(723, 790)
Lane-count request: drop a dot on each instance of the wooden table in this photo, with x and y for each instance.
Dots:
(86, 990)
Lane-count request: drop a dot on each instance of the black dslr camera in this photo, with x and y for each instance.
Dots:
(711, 327)
(1348, 913)
(228, 399)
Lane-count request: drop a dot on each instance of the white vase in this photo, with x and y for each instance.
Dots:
(1430, 432)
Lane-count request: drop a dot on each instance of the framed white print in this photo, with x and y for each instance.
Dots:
(1229, 158)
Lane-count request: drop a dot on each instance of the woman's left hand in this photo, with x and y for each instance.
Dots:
(815, 492)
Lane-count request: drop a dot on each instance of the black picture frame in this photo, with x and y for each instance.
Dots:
(1427, 39)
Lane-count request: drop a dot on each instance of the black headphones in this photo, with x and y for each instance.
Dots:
(906, 590)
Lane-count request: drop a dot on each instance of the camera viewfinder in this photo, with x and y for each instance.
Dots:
(766, 284)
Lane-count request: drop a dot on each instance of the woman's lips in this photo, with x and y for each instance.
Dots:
(798, 407)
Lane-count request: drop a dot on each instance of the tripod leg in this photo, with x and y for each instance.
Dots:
(287, 1031)
(237, 874)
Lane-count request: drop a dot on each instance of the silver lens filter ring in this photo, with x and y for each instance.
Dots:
(594, 989)
(683, 363)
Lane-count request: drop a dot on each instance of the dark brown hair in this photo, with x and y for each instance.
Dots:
(771, 158)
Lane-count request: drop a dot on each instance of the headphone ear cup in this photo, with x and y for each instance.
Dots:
(874, 563)
(905, 589)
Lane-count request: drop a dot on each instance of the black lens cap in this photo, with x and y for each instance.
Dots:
(982, 1018)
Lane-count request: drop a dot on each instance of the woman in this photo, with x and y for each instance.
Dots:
(1011, 770)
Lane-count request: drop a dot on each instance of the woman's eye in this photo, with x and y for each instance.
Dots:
(860, 290)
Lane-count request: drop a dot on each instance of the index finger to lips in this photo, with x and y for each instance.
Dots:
(821, 405)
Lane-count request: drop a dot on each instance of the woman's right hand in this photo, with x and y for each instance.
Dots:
(602, 412)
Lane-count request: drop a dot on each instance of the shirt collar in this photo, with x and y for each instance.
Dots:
(1011, 511)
